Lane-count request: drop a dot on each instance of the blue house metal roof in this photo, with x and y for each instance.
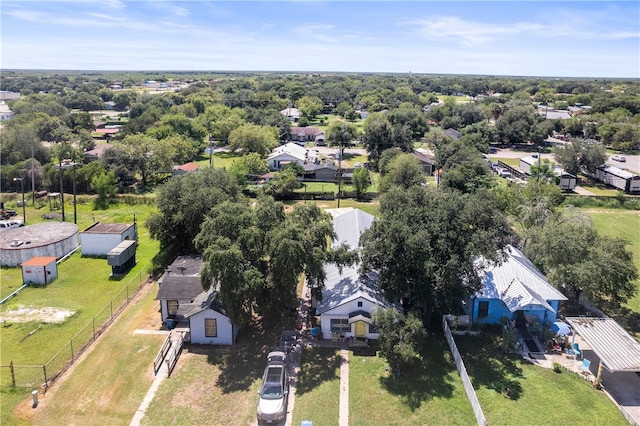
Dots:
(518, 283)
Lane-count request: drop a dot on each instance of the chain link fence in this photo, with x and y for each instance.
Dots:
(42, 375)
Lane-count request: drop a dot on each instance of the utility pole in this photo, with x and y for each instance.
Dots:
(340, 155)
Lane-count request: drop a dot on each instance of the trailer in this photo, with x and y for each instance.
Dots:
(122, 257)
(567, 181)
(618, 178)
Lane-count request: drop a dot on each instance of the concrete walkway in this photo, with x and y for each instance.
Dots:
(343, 416)
(151, 393)
(581, 191)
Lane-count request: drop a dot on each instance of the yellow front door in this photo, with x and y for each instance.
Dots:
(361, 329)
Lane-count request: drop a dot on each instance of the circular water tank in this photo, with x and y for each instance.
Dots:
(41, 239)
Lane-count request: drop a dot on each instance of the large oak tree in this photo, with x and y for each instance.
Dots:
(425, 243)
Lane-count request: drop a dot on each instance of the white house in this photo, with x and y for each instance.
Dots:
(39, 270)
(293, 114)
(99, 238)
(289, 153)
(184, 303)
(349, 298)
(302, 135)
(208, 323)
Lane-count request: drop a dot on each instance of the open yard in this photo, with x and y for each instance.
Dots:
(429, 393)
(107, 386)
(83, 288)
(513, 391)
(623, 224)
(318, 387)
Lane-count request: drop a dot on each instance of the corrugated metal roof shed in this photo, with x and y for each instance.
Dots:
(617, 349)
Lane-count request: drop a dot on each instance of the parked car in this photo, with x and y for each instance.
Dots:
(5, 225)
(277, 358)
(274, 393)
(504, 173)
(619, 158)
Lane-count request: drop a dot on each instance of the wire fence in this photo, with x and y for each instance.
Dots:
(43, 375)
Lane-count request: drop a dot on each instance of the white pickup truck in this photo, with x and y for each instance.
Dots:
(5, 225)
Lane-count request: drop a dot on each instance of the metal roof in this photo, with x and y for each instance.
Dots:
(343, 285)
(516, 280)
(616, 348)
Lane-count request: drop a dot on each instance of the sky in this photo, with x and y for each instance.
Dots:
(538, 38)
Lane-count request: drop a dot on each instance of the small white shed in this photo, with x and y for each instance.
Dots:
(100, 238)
(39, 270)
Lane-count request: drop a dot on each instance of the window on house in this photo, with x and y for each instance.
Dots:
(373, 328)
(483, 309)
(340, 325)
(360, 304)
(172, 307)
(210, 327)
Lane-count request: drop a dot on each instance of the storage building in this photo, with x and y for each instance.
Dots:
(39, 270)
(100, 238)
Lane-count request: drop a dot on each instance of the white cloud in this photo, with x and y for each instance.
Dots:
(472, 33)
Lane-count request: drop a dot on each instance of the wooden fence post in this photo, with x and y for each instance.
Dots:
(13, 375)
(46, 382)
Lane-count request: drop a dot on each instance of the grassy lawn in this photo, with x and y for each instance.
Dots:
(536, 395)
(83, 286)
(456, 99)
(430, 393)
(215, 383)
(371, 207)
(513, 162)
(601, 190)
(107, 386)
(318, 387)
(623, 224)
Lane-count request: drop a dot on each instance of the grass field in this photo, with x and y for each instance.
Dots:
(535, 395)
(95, 395)
(623, 224)
(318, 387)
(429, 393)
(83, 286)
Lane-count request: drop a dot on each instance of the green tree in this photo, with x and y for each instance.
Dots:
(401, 337)
(361, 181)
(285, 182)
(425, 244)
(543, 170)
(341, 134)
(310, 106)
(104, 185)
(255, 254)
(404, 171)
(580, 156)
(253, 138)
(183, 202)
(578, 260)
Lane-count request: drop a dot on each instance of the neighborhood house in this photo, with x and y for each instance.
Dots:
(350, 298)
(514, 290)
(185, 305)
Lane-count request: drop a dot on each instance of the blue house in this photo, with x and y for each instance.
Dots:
(514, 290)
